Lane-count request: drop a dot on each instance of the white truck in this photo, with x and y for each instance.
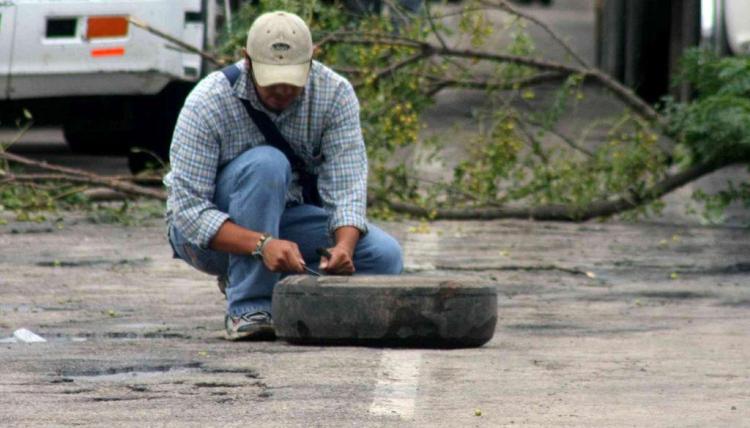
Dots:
(726, 25)
(111, 85)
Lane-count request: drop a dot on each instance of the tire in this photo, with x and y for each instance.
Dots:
(155, 121)
(401, 311)
(91, 142)
(98, 125)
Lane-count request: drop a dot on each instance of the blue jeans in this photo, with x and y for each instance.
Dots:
(252, 190)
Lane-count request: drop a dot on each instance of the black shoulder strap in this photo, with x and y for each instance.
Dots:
(232, 73)
(265, 124)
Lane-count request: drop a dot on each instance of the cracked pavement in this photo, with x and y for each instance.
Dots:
(606, 324)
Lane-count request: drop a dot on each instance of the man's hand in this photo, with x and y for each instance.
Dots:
(283, 256)
(340, 262)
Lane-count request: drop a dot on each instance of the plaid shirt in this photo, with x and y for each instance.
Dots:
(322, 126)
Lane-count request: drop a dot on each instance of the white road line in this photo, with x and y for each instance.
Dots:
(398, 377)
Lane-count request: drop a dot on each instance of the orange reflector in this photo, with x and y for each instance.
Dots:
(107, 52)
(107, 26)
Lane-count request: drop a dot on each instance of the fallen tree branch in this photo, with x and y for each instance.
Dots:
(560, 212)
(80, 176)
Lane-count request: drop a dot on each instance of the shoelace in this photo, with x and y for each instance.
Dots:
(256, 316)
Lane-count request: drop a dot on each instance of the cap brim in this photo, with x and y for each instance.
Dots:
(271, 74)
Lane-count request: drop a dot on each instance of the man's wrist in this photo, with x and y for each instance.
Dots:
(347, 238)
(348, 248)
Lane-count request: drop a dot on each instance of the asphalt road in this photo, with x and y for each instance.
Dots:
(599, 325)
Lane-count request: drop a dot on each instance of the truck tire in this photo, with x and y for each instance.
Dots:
(98, 125)
(155, 121)
(89, 142)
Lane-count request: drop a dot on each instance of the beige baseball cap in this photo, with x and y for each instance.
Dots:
(280, 48)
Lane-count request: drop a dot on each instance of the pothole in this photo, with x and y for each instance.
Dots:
(27, 230)
(133, 335)
(674, 295)
(542, 327)
(131, 373)
(217, 385)
(26, 308)
(94, 262)
(663, 295)
(732, 269)
(742, 303)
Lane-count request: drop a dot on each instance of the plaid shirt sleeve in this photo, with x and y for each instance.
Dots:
(342, 181)
(194, 160)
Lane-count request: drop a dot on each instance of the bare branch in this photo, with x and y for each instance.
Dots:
(5, 167)
(505, 6)
(441, 83)
(322, 42)
(566, 139)
(397, 9)
(461, 11)
(433, 26)
(16, 138)
(376, 41)
(620, 91)
(140, 24)
(392, 68)
(535, 146)
(372, 38)
(40, 178)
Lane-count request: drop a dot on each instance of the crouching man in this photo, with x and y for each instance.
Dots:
(269, 165)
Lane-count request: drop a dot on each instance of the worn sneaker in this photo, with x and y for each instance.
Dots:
(250, 326)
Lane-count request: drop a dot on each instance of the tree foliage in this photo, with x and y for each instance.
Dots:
(715, 125)
(509, 160)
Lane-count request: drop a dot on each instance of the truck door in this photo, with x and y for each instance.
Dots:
(7, 17)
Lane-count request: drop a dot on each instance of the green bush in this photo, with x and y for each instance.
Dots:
(715, 126)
